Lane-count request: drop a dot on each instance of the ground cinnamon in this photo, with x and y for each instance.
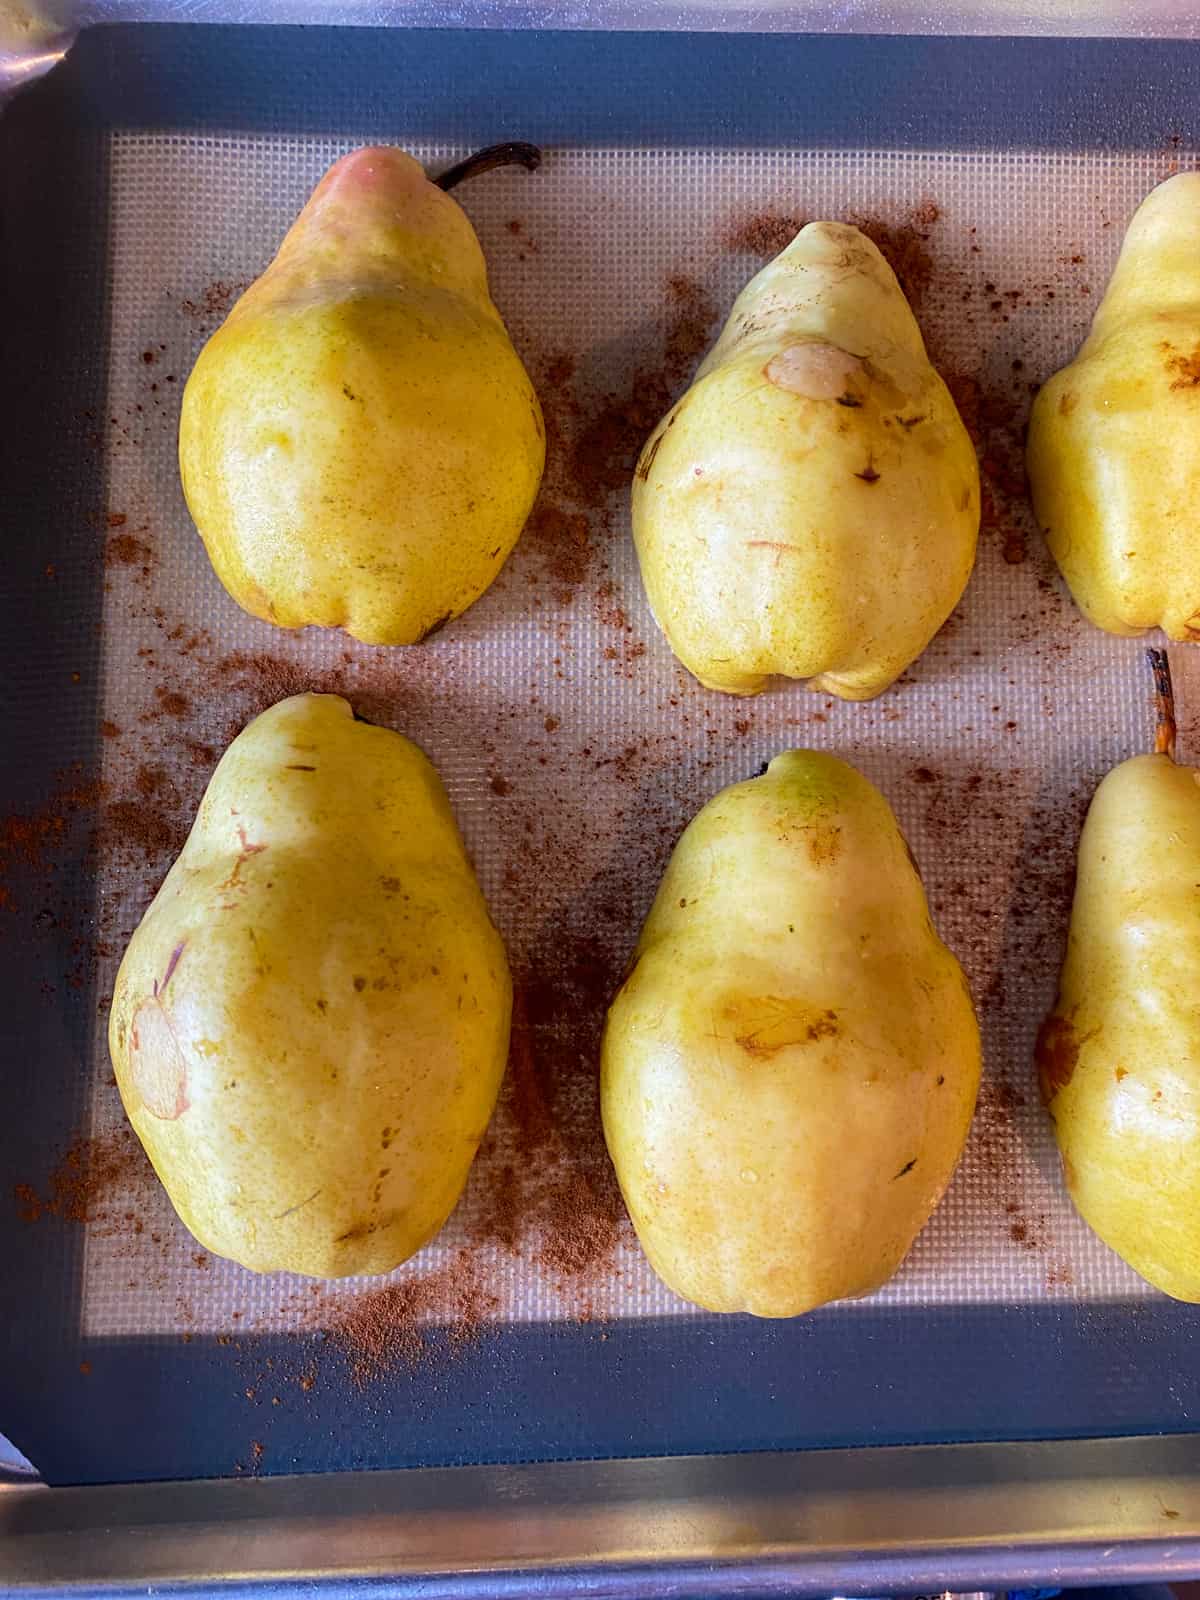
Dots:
(127, 550)
(214, 301)
(762, 233)
(392, 1326)
(594, 435)
(904, 243)
(996, 418)
(101, 1182)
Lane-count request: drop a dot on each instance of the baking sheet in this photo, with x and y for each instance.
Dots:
(573, 747)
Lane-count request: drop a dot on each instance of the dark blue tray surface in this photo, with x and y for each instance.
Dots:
(166, 1408)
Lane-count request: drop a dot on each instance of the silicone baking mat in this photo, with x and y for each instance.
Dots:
(573, 746)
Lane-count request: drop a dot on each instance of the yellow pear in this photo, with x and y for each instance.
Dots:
(790, 1069)
(311, 1022)
(811, 506)
(1119, 1056)
(1114, 438)
(360, 445)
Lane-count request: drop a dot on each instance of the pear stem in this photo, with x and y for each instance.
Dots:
(512, 154)
(1164, 704)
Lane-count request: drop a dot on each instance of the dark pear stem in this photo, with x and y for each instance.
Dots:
(1164, 704)
(513, 154)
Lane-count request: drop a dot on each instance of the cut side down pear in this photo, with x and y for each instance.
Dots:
(310, 1023)
(359, 443)
(789, 1071)
(1119, 1056)
(810, 507)
(1114, 438)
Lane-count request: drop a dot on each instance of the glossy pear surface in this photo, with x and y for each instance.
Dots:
(360, 444)
(311, 1022)
(1114, 438)
(810, 508)
(790, 1069)
(1120, 1055)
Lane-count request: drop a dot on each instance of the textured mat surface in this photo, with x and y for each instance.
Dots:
(573, 746)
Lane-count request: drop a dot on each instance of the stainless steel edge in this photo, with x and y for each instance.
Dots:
(1086, 18)
(1143, 19)
(846, 1521)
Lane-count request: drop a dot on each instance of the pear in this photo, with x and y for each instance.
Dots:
(790, 1069)
(310, 1023)
(1114, 438)
(1119, 1056)
(359, 444)
(810, 507)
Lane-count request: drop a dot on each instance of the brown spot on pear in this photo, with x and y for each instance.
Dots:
(770, 1024)
(1057, 1055)
(824, 843)
(1183, 370)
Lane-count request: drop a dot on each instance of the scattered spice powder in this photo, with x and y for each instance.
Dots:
(214, 301)
(593, 438)
(387, 1327)
(151, 780)
(138, 834)
(99, 1182)
(996, 421)
(762, 233)
(260, 679)
(904, 245)
(564, 539)
(972, 811)
(558, 1197)
(34, 842)
(127, 550)
(172, 702)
